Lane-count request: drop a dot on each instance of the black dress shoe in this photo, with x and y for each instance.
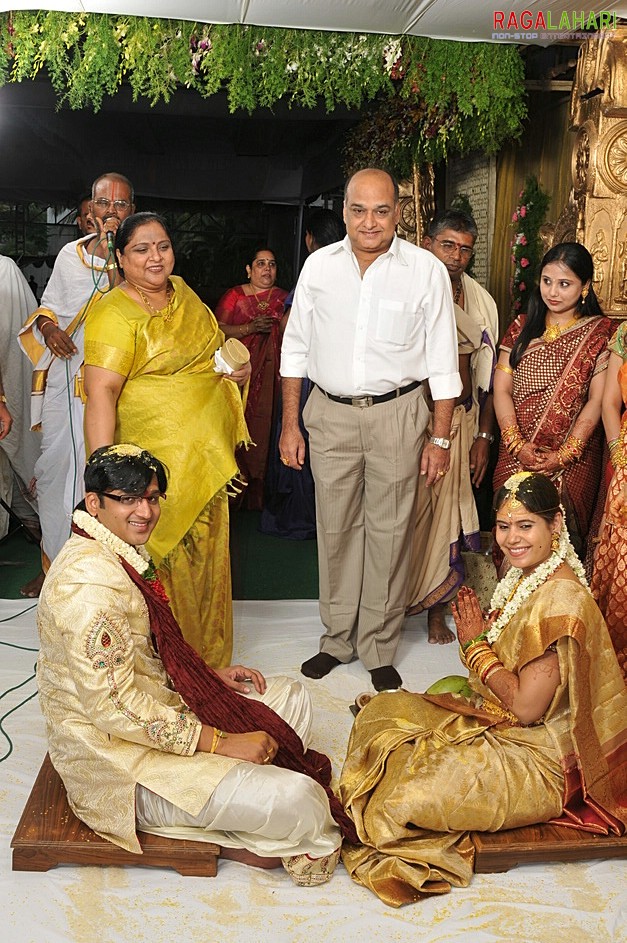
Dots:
(386, 678)
(319, 666)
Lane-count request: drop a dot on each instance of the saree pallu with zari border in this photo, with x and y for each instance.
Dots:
(550, 388)
(609, 578)
(236, 307)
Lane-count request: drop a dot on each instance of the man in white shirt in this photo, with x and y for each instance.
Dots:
(372, 318)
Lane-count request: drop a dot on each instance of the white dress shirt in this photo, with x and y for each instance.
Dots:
(354, 335)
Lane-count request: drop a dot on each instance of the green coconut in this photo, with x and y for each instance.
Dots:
(452, 684)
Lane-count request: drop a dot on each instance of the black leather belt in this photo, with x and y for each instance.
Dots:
(371, 400)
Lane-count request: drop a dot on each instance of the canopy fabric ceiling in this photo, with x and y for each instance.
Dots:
(440, 19)
(192, 148)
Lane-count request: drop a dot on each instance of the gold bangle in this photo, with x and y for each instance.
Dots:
(46, 324)
(505, 368)
(217, 736)
(492, 670)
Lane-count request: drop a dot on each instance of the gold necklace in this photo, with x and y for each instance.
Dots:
(167, 311)
(264, 305)
(553, 331)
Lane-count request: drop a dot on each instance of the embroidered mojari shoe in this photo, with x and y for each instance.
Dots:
(306, 871)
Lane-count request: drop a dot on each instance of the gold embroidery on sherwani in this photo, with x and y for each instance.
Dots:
(107, 649)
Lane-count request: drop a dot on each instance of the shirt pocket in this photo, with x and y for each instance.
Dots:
(394, 322)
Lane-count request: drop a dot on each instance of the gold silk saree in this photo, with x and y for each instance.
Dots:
(423, 771)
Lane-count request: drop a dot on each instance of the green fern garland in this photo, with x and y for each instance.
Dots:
(439, 96)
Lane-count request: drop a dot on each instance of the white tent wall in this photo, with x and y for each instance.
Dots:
(440, 19)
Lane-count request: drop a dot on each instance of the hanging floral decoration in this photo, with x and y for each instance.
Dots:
(448, 98)
(526, 245)
(437, 96)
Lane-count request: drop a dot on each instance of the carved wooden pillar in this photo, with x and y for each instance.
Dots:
(417, 199)
(599, 164)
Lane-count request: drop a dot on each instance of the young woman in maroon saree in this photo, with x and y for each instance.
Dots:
(254, 314)
(549, 385)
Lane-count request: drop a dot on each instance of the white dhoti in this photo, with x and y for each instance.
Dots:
(19, 450)
(61, 465)
(267, 810)
(78, 280)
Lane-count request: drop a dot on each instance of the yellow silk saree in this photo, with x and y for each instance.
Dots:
(176, 406)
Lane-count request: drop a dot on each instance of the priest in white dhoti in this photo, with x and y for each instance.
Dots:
(142, 732)
(52, 339)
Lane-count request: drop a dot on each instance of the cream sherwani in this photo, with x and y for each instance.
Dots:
(114, 723)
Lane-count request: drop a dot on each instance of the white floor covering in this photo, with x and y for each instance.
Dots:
(573, 903)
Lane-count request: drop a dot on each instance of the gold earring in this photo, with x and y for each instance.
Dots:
(584, 293)
(555, 541)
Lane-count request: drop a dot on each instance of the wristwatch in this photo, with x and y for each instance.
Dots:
(485, 435)
(438, 440)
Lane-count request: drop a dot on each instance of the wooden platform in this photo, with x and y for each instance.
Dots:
(49, 834)
(500, 851)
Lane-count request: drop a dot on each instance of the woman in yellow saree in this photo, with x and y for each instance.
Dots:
(538, 733)
(150, 379)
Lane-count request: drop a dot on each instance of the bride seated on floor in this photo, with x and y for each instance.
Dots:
(536, 733)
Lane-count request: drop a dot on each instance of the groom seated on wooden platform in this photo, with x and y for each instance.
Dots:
(144, 735)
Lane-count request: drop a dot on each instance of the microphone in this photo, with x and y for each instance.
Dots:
(110, 235)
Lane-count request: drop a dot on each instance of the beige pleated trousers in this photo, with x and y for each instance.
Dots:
(365, 462)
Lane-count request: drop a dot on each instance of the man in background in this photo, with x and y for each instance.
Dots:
(84, 220)
(446, 515)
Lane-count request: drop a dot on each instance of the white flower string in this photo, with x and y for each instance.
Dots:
(511, 596)
(137, 557)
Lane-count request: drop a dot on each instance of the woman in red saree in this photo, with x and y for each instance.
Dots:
(609, 579)
(549, 383)
(254, 313)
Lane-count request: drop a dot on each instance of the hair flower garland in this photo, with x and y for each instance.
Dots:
(525, 245)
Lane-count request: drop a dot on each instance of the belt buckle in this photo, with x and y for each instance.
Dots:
(362, 401)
